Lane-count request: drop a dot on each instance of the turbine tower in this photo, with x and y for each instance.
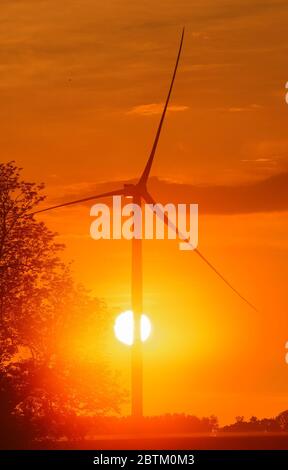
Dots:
(139, 192)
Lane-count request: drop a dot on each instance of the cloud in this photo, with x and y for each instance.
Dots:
(241, 109)
(154, 108)
(207, 67)
(243, 9)
(259, 160)
(269, 195)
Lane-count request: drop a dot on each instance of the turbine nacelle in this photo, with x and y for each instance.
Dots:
(134, 190)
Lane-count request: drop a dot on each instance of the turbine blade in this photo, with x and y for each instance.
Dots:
(148, 198)
(145, 175)
(224, 279)
(78, 201)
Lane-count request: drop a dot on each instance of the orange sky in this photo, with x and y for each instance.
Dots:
(81, 87)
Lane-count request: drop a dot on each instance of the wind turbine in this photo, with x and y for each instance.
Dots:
(139, 193)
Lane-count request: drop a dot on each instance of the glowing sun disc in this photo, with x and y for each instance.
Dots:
(124, 327)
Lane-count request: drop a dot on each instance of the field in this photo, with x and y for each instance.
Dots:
(220, 441)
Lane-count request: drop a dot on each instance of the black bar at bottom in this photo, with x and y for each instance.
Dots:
(136, 458)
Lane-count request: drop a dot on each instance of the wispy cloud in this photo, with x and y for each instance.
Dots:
(259, 160)
(241, 109)
(207, 67)
(154, 108)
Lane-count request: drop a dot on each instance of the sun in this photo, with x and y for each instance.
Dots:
(124, 327)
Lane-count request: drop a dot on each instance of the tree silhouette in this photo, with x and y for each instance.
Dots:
(282, 420)
(51, 330)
